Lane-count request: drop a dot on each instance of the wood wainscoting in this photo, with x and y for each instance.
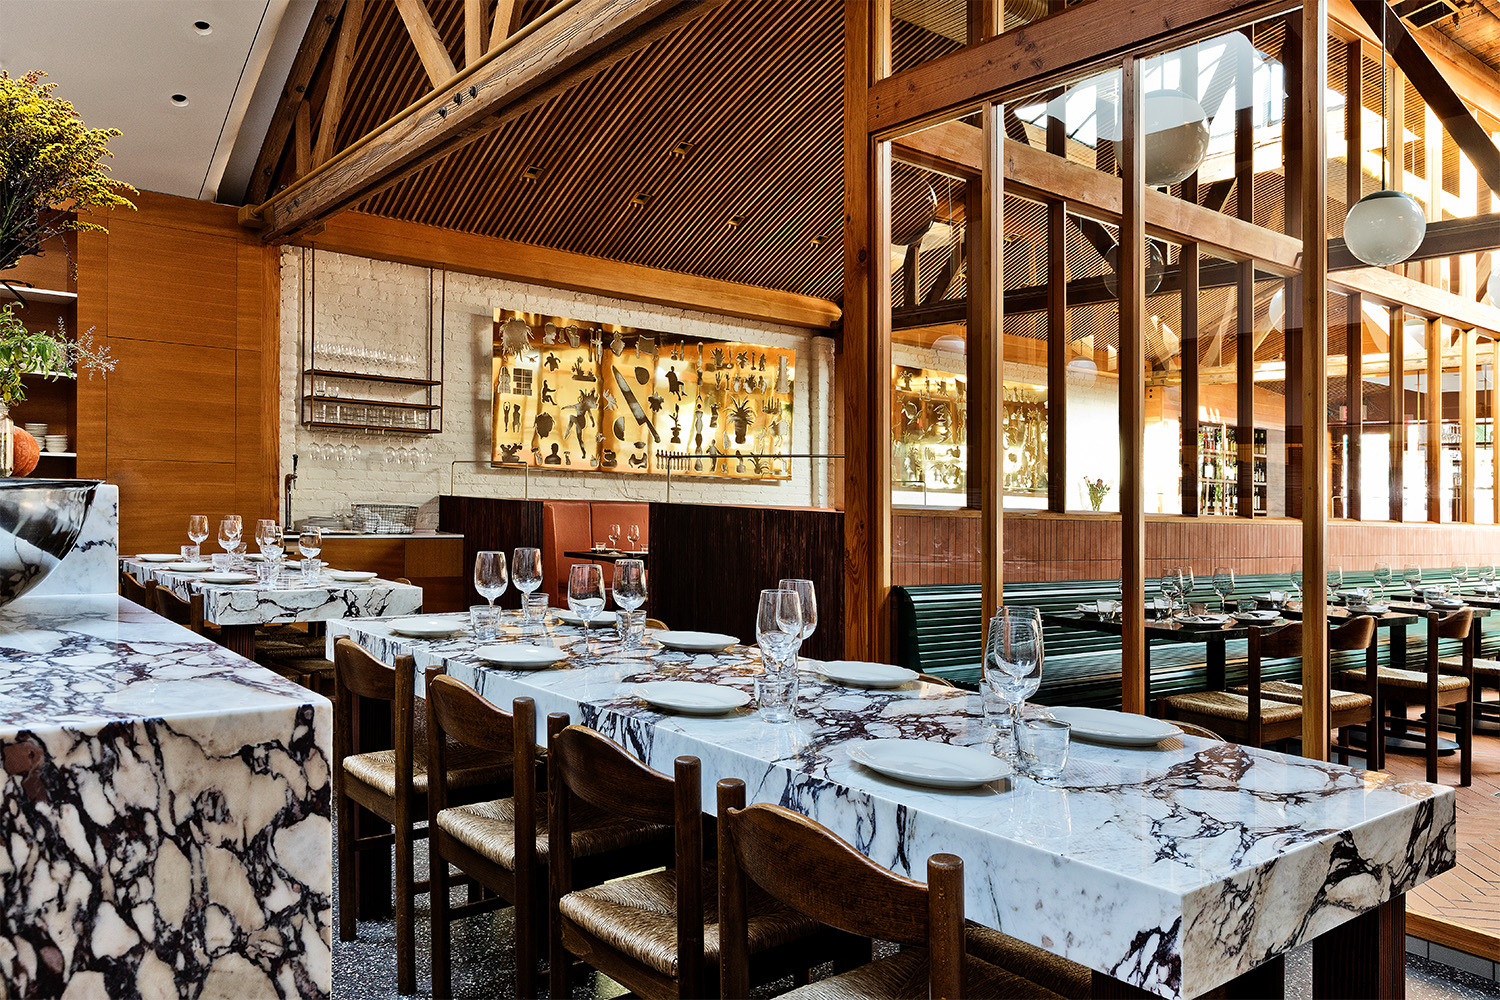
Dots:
(943, 546)
(490, 523)
(433, 562)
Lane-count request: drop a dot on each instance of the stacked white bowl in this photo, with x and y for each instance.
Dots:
(55, 442)
(37, 431)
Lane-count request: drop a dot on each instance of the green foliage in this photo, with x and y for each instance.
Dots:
(50, 167)
(49, 354)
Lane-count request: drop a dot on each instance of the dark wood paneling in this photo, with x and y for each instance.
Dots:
(171, 403)
(709, 564)
(156, 499)
(178, 286)
(491, 523)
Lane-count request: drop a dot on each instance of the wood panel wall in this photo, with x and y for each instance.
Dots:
(187, 423)
(709, 564)
(490, 523)
(943, 547)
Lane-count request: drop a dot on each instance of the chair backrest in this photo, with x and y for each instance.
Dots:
(1356, 633)
(810, 869)
(132, 589)
(585, 764)
(565, 525)
(358, 675)
(1454, 625)
(188, 613)
(1282, 643)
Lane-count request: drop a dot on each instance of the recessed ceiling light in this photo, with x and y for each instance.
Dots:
(818, 241)
(683, 148)
(531, 173)
(735, 221)
(180, 100)
(202, 27)
(641, 199)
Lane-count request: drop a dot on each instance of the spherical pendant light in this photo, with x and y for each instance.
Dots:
(1176, 131)
(1384, 228)
(1155, 268)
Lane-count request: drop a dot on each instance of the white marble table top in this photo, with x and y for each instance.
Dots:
(1173, 869)
(290, 599)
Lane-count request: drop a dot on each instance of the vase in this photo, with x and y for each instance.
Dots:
(7, 442)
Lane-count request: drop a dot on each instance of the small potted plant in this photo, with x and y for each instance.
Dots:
(48, 354)
(1098, 490)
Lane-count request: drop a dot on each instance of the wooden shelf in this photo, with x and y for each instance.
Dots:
(359, 401)
(59, 454)
(37, 294)
(392, 379)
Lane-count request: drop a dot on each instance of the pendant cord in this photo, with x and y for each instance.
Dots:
(1385, 125)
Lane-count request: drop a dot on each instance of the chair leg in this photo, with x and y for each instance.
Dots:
(1344, 745)
(1375, 738)
(406, 945)
(525, 909)
(1465, 715)
(437, 881)
(1433, 734)
(347, 875)
(558, 959)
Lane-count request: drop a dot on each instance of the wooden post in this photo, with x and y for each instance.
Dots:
(1244, 341)
(867, 355)
(1132, 280)
(1396, 342)
(1433, 407)
(986, 326)
(1467, 412)
(1354, 396)
(1191, 289)
(1057, 334)
(1495, 424)
(1314, 211)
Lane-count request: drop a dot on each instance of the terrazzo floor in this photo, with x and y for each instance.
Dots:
(483, 967)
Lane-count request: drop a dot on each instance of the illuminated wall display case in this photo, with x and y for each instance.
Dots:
(606, 398)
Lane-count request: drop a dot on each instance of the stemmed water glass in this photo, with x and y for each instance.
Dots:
(310, 543)
(490, 577)
(807, 595)
(1223, 584)
(1186, 583)
(526, 571)
(634, 535)
(230, 531)
(778, 632)
(629, 590)
(586, 597)
(1461, 575)
(1295, 576)
(1413, 576)
(198, 529)
(1171, 586)
(614, 537)
(1486, 574)
(1334, 577)
(268, 537)
(1013, 657)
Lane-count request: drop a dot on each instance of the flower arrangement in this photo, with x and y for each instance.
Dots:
(1098, 490)
(50, 168)
(50, 354)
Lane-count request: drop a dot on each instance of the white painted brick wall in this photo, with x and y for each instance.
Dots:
(382, 305)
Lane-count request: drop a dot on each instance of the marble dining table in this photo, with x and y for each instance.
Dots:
(1168, 871)
(237, 609)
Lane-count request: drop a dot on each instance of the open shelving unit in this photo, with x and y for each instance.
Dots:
(47, 287)
(1218, 471)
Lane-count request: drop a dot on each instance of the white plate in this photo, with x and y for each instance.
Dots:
(226, 578)
(862, 674)
(691, 697)
(604, 619)
(255, 557)
(349, 575)
(1367, 609)
(1445, 604)
(695, 642)
(158, 557)
(521, 656)
(425, 628)
(937, 765)
(1256, 616)
(1203, 619)
(185, 567)
(1119, 728)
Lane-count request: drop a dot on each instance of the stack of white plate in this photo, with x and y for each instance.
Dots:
(55, 442)
(37, 431)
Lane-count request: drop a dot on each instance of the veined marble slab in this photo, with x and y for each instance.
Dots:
(92, 567)
(1173, 869)
(166, 822)
(290, 600)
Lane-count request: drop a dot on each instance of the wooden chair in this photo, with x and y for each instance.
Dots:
(1346, 708)
(1247, 718)
(806, 867)
(1434, 689)
(657, 624)
(933, 679)
(656, 933)
(504, 844)
(1192, 730)
(187, 613)
(133, 589)
(392, 784)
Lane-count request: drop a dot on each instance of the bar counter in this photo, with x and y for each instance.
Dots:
(166, 806)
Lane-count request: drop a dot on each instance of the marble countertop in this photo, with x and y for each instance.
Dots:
(1173, 869)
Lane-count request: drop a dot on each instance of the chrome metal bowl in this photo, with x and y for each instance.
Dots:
(39, 523)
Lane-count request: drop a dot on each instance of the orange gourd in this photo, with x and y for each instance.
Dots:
(27, 453)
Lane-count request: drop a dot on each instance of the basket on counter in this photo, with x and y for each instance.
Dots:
(385, 518)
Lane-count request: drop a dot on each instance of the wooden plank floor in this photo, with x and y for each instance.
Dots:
(1461, 908)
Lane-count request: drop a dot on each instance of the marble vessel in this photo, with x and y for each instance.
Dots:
(1173, 869)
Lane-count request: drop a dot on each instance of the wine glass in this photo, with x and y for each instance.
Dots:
(614, 536)
(586, 597)
(634, 534)
(1171, 585)
(1296, 578)
(526, 571)
(1382, 576)
(1223, 583)
(1461, 574)
(310, 543)
(629, 590)
(778, 630)
(1013, 657)
(490, 577)
(1486, 574)
(1186, 583)
(1334, 577)
(1413, 576)
(230, 529)
(808, 597)
(198, 529)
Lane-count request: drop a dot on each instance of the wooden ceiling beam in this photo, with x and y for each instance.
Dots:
(338, 83)
(507, 20)
(475, 42)
(365, 235)
(1026, 59)
(1435, 89)
(565, 46)
(293, 94)
(424, 35)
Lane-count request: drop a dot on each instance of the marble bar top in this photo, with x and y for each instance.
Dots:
(166, 821)
(1173, 869)
(289, 600)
